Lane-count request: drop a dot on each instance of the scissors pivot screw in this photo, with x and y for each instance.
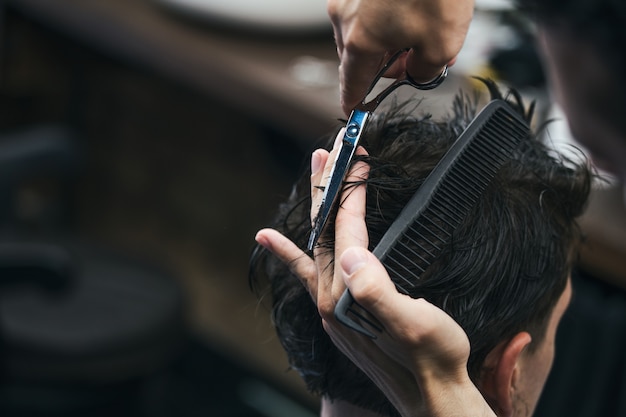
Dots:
(354, 128)
(352, 131)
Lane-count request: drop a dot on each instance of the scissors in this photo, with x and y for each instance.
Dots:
(354, 128)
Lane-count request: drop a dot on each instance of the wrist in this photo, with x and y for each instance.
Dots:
(445, 395)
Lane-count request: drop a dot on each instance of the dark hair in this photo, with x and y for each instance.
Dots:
(502, 273)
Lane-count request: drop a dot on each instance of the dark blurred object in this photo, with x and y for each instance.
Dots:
(588, 378)
(205, 383)
(81, 327)
(44, 157)
(37, 266)
(518, 64)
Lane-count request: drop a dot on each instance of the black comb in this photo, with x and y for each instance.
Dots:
(443, 201)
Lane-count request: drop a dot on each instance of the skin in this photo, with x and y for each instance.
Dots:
(364, 44)
(530, 372)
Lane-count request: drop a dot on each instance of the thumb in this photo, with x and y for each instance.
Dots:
(366, 278)
(372, 288)
(414, 321)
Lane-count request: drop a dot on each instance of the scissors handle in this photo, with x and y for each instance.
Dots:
(429, 85)
(404, 79)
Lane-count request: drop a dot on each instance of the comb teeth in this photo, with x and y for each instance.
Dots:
(448, 194)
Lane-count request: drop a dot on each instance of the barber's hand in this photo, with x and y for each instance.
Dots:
(421, 340)
(420, 359)
(368, 31)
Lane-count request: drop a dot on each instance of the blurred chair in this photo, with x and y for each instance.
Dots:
(81, 326)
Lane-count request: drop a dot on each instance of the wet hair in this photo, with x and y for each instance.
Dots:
(503, 271)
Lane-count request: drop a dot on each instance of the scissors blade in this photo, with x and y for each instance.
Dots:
(349, 143)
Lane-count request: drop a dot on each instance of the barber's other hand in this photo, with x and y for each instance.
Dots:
(412, 324)
(367, 31)
(417, 336)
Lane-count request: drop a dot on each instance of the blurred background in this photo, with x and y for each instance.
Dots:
(142, 145)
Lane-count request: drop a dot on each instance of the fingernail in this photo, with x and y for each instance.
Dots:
(316, 162)
(352, 260)
(261, 239)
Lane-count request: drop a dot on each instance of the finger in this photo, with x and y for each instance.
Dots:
(350, 226)
(350, 220)
(397, 68)
(422, 70)
(319, 158)
(322, 260)
(365, 276)
(357, 70)
(320, 178)
(408, 321)
(333, 10)
(427, 59)
(372, 288)
(291, 255)
(320, 181)
(336, 23)
(351, 209)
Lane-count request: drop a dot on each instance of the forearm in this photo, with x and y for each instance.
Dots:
(457, 397)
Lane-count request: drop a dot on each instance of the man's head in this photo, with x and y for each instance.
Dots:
(500, 277)
(582, 43)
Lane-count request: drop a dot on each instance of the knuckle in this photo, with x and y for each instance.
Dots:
(360, 40)
(366, 292)
(353, 44)
(332, 8)
(326, 309)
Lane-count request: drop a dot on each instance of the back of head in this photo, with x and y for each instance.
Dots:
(502, 272)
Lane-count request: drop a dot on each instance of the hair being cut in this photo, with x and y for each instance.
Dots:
(503, 271)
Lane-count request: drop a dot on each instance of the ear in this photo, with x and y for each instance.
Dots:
(501, 372)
